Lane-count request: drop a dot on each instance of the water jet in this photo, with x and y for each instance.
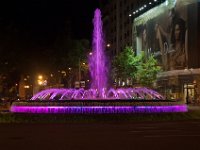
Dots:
(98, 99)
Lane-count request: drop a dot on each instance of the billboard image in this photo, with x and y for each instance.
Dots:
(166, 37)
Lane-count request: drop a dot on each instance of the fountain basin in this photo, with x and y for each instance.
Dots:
(98, 99)
(98, 107)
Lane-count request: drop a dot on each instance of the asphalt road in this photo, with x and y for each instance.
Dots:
(101, 136)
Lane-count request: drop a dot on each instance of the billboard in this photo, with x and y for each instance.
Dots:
(165, 35)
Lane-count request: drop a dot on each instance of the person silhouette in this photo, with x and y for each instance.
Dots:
(174, 36)
(178, 55)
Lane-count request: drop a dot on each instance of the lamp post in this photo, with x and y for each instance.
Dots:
(187, 88)
(187, 94)
(81, 66)
(79, 70)
(40, 80)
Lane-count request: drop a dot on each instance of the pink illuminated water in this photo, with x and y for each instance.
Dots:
(121, 93)
(97, 61)
(98, 99)
(98, 70)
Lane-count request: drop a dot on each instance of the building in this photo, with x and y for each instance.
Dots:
(25, 87)
(167, 29)
(118, 24)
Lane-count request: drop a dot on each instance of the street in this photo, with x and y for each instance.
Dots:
(100, 136)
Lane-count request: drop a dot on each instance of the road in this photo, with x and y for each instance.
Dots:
(101, 136)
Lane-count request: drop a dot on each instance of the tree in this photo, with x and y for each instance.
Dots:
(71, 56)
(124, 65)
(140, 69)
(70, 52)
(147, 69)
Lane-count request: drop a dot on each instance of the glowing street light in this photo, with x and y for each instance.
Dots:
(40, 82)
(26, 86)
(108, 45)
(40, 77)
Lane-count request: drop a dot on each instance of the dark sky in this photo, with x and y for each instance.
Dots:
(29, 29)
(44, 19)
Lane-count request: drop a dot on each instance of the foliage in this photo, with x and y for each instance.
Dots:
(141, 69)
(147, 70)
(71, 52)
(125, 64)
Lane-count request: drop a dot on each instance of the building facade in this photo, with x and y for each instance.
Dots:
(170, 32)
(117, 24)
(166, 29)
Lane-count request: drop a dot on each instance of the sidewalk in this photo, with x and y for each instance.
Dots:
(194, 107)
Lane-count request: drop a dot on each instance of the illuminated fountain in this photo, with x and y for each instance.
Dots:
(99, 99)
(99, 71)
(97, 61)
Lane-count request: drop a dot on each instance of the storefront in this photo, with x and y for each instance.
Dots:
(180, 84)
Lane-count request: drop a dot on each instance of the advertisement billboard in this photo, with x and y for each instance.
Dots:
(166, 34)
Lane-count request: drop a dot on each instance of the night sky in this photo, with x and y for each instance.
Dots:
(41, 21)
(29, 29)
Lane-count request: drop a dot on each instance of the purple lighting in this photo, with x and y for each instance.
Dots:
(112, 94)
(98, 109)
(99, 99)
(97, 61)
(99, 73)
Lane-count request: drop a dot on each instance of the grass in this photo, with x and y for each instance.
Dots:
(103, 118)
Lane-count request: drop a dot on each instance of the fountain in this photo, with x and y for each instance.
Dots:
(97, 61)
(99, 71)
(98, 99)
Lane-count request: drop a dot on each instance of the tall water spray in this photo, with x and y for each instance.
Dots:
(99, 74)
(97, 61)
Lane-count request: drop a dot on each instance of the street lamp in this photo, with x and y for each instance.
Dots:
(41, 80)
(79, 70)
(187, 91)
(108, 45)
(40, 77)
(187, 94)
